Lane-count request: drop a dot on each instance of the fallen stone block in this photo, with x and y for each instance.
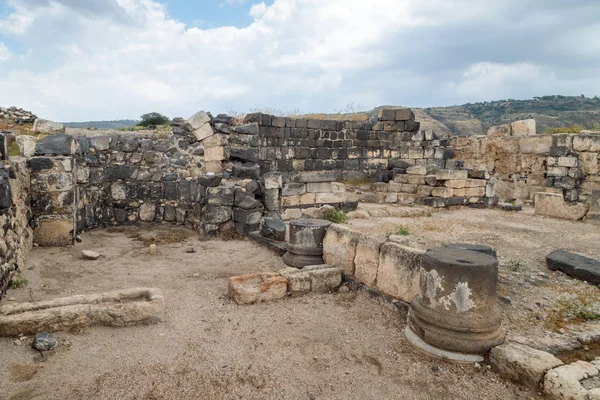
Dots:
(575, 265)
(324, 278)
(552, 343)
(399, 271)
(90, 255)
(273, 228)
(586, 333)
(253, 288)
(567, 382)
(298, 280)
(522, 363)
(554, 205)
(120, 308)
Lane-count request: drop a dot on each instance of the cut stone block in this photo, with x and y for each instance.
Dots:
(442, 192)
(253, 288)
(554, 205)
(552, 343)
(456, 183)
(324, 280)
(565, 382)
(298, 281)
(121, 308)
(366, 262)
(447, 174)
(575, 265)
(399, 271)
(522, 363)
(339, 247)
(55, 232)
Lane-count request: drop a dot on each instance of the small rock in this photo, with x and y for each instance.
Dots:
(17, 342)
(190, 250)
(435, 368)
(44, 342)
(90, 255)
(506, 299)
(78, 239)
(152, 249)
(344, 289)
(196, 275)
(477, 365)
(11, 299)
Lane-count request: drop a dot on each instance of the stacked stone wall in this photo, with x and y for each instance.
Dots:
(15, 216)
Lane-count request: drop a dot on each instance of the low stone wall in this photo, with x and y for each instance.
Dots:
(15, 215)
(380, 261)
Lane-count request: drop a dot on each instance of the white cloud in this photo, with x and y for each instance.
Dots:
(258, 10)
(5, 54)
(120, 58)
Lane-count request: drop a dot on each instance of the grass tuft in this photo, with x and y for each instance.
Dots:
(336, 216)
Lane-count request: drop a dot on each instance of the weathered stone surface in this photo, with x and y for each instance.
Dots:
(339, 247)
(247, 129)
(27, 145)
(575, 265)
(535, 144)
(447, 174)
(325, 279)
(213, 214)
(44, 342)
(48, 127)
(249, 203)
(203, 132)
(550, 342)
(273, 228)
(210, 180)
(298, 280)
(293, 189)
(366, 261)
(553, 205)
(305, 245)
(221, 196)
(54, 233)
(522, 363)
(254, 288)
(198, 120)
(273, 180)
(55, 145)
(399, 271)
(523, 128)
(90, 254)
(147, 212)
(565, 382)
(121, 308)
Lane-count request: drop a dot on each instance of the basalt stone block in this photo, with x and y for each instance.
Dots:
(222, 128)
(490, 251)
(5, 195)
(248, 217)
(273, 228)
(244, 154)
(210, 180)
(40, 164)
(129, 144)
(116, 172)
(248, 129)
(253, 187)
(575, 265)
(55, 145)
(249, 203)
(221, 196)
(246, 171)
(213, 214)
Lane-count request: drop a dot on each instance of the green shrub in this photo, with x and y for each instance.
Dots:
(153, 119)
(515, 265)
(566, 129)
(336, 216)
(402, 230)
(18, 283)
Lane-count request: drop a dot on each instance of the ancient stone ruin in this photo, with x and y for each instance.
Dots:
(276, 181)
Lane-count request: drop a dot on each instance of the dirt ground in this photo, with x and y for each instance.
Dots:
(331, 346)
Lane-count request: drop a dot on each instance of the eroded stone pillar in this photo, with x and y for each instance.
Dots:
(306, 242)
(457, 309)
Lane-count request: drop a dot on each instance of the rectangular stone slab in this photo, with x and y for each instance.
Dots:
(575, 265)
(118, 309)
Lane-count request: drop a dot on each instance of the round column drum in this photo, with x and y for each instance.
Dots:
(457, 307)
(306, 242)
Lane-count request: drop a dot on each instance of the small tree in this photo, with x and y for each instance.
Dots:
(153, 119)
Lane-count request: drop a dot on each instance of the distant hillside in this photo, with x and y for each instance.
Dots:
(548, 111)
(122, 123)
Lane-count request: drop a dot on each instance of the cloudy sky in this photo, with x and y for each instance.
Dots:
(72, 60)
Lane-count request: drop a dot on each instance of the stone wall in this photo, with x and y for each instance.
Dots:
(524, 164)
(15, 215)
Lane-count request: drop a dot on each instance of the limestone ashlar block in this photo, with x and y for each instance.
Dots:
(292, 189)
(569, 162)
(404, 114)
(443, 192)
(472, 183)
(424, 190)
(319, 187)
(470, 192)
(586, 143)
(553, 205)
(273, 180)
(522, 364)
(535, 144)
(525, 127)
(399, 271)
(54, 232)
(366, 261)
(558, 171)
(298, 280)
(456, 183)
(323, 278)
(329, 198)
(416, 170)
(451, 174)
(339, 247)
(254, 288)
